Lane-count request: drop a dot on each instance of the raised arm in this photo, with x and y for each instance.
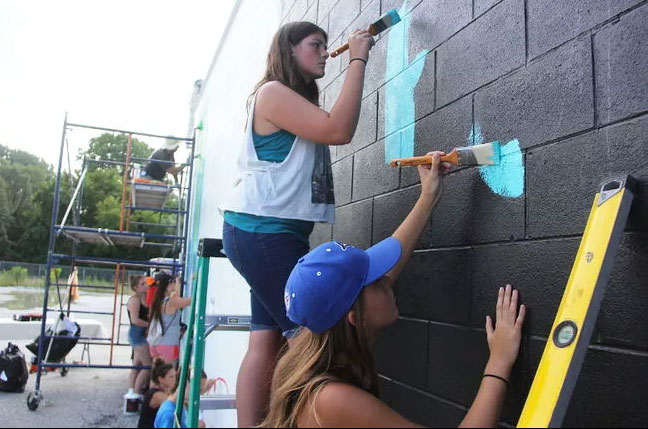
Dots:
(409, 232)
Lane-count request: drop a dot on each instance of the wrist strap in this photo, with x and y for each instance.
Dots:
(497, 377)
(358, 59)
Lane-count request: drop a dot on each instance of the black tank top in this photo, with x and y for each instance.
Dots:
(143, 313)
(148, 414)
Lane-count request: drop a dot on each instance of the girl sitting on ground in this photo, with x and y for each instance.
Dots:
(166, 414)
(163, 379)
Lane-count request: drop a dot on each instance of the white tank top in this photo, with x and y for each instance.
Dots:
(300, 187)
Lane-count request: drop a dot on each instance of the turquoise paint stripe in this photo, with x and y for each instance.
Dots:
(400, 107)
(193, 239)
(507, 178)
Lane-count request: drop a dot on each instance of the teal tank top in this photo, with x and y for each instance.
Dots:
(273, 147)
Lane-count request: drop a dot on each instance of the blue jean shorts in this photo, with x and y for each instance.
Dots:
(137, 336)
(265, 262)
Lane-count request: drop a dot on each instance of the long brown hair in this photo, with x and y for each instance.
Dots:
(162, 281)
(282, 66)
(341, 354)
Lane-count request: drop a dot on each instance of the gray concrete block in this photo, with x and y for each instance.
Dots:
(487, 49)
(390, 211)
(322, 233)
(435, 285)
(401, 352)
(456, 360)
(341, 15)
(481, 6)
(353, 224)
(443, 130)
(469, 212)
(553, 23)
(622, 321)
(563, 178)
(549, 99)
(435, 21)
(365, 133)
(371, 176)
(621, 56)
(343, 180)
(538, 270)
(426, 410)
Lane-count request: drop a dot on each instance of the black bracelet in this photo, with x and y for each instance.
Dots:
(497, 377)
(358, 59)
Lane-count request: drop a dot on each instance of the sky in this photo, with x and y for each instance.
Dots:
(116, 64)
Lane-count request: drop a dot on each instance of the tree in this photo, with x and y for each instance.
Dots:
(99, 185)
(27, 194)
(5, 217)
(112, 147)
(21, 175)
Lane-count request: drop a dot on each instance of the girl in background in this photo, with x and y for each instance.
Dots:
(138, 317)
(164, 338)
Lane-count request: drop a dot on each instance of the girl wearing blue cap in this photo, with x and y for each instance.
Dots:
(341, 296)
(285, 186)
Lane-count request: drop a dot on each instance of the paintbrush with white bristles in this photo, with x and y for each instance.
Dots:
(483, 154)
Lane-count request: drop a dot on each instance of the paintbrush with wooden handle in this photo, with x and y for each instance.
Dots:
(483, 154)
(387, 20)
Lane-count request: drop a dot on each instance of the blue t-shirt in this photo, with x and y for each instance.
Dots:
(166, 416)
(273, 147)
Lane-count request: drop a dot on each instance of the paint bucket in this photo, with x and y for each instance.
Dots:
(131, 402)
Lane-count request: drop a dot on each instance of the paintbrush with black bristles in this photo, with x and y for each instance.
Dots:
(387, 20)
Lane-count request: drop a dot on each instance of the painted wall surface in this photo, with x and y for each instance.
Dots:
(562, 86)
(237, 66)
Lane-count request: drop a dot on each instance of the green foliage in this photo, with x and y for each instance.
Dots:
(16, 276)
(27, 186)
(112, 147)
(55, 275)
(108, 211)
(5, 217)
(21, 177)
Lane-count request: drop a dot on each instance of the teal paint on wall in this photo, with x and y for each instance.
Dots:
(507, 178)
(400, 108)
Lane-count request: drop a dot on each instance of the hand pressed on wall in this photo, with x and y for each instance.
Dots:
(505, 336)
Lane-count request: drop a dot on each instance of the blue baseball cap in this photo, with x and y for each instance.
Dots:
(326, 282)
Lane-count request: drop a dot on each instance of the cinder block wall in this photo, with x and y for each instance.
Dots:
(567, 79)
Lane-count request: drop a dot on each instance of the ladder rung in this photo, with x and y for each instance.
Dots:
(227, 320)
(156, 225)
(152, 209)
(151, 243)
(218, 402)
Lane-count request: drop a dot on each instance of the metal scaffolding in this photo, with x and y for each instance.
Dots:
(137, 195)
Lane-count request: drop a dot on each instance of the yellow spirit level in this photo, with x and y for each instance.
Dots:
(572, 330)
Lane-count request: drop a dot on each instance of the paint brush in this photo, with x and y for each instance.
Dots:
(387, 20)
(483, 154)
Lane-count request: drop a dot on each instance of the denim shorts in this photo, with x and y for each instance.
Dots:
(137, 336)
(265, 261)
